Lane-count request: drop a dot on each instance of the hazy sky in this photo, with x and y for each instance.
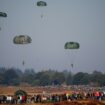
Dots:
(82, 21)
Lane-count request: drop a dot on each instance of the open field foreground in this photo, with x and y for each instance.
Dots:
(10, 90)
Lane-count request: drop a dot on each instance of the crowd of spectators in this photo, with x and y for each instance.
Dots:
(80, 94)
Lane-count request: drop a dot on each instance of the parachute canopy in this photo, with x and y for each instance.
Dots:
(20, 92)
(41, 3)
(22, 39)
(72, 45)
(2, 14)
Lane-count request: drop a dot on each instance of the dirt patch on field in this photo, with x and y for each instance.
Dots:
(10, 90)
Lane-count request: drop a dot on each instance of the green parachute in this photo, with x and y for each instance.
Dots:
(20, 92)
(72, 46)
(41, 4)
(2, 14)
(22, 39)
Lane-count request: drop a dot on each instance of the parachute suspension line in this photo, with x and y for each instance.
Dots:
(23, 60)
(41, 4)
(41, 15)
(3, 15)
(72, 60)
(23, 63)
(72, 47)
(69, 60)
(22, 40)
(73, 57)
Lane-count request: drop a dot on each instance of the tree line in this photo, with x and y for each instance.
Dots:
(13, 76)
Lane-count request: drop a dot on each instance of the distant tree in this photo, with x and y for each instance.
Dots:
(15, 76)
(103, 80)
(44, 80)
(2, 70)
(59, 78)
(10, 77)
(18, 72)
(97, 78)
(80, 78)
(1, 78)
(69, 78)
(29, 71)
(28, 78)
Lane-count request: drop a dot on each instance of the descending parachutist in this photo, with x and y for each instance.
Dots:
(23, 63)
(72, 65)
(41, 15)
